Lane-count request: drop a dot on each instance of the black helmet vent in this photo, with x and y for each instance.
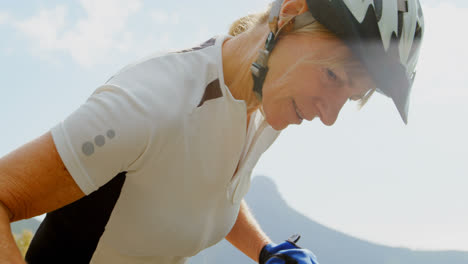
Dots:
(400, 23)
(418, 35)
(378, 9)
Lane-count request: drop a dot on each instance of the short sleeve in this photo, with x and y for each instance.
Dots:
(103, 137)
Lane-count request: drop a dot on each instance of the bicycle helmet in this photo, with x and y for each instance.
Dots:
(385, 35)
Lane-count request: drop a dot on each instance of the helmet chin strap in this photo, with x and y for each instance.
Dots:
(259, 68)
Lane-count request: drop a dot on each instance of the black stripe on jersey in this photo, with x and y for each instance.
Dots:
(71, 234)
(212, 91)
(207, 43)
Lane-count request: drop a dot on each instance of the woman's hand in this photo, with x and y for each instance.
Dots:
(9, 252)
(286, 253)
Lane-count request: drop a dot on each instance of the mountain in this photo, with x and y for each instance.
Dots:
(330, 246)
(28, 224)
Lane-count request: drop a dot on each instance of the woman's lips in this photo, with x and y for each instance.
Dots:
(299, 115)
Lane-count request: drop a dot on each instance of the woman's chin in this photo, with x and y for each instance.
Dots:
(277, 124)
(275, 119)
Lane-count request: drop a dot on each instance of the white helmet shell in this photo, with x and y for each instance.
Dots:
(384, 34)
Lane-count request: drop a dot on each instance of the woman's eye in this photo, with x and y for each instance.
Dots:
(332, 75)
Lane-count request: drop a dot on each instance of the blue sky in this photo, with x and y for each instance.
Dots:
(368, 175)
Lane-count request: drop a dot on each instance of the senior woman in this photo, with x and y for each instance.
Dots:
(153, 168)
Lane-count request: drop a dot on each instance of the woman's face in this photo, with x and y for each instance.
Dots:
(296, 89)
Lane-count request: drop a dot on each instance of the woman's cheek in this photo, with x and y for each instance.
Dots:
(273, 116)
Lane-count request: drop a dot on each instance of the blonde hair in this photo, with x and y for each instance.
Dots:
(349, 62)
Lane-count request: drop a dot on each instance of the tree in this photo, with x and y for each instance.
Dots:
(23, 241)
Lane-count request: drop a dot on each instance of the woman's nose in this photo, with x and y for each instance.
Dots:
(331, 108)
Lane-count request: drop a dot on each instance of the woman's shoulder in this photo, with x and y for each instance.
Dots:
(176, 79)
(173, 65)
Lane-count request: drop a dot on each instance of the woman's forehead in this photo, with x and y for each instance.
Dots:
(327, 50)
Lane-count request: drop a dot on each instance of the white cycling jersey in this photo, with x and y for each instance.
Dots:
(171, 123)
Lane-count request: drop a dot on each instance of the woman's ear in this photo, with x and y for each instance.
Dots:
(291, 8)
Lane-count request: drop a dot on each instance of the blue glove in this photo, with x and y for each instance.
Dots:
(286, 253)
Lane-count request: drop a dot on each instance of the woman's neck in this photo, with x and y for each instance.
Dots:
(239, 53)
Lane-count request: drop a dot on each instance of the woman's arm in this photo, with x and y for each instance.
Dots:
(246, 235)
(33, 181)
